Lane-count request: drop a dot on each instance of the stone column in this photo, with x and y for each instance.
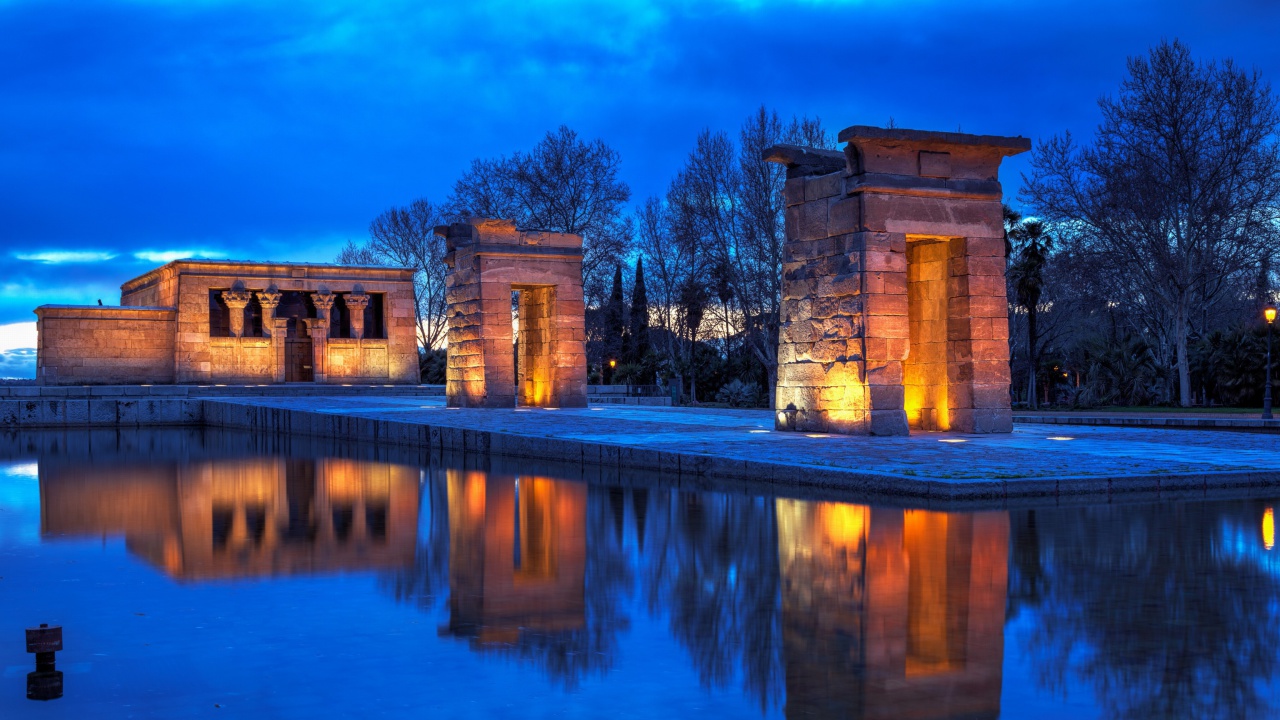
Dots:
(279, 336)
(269, 300)
(318, 329)
(236, 300)
(356, 304)
(274, 328)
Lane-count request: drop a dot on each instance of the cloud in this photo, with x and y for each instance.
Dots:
(18, 350)
(167, 256)
(18, 364)
(56, 257)
(15, 336)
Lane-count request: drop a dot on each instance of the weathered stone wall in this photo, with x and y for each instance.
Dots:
(487, 260)
(102, 345)
(894, 310)
(352, 360)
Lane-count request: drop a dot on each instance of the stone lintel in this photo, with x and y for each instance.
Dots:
(923, 138)
(266, 272)
(106, 312)
(805, 161)
(486, 232)
(954, 188)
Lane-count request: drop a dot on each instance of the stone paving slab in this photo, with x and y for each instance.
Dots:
(1033, 461)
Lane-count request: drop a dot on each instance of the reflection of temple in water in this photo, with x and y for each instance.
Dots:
(892, 613)
(517, 556)
(248, 517)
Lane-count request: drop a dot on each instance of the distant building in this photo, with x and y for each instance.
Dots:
(215, 321)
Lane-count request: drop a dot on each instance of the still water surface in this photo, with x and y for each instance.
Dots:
(215, 575)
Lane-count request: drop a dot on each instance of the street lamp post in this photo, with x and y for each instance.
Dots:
(1270, 314)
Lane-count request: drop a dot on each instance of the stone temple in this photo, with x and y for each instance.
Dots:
(489, 261)
(215, 321)
(894, 315)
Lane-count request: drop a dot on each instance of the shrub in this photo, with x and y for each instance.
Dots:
(736, 393)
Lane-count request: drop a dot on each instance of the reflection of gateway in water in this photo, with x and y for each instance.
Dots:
(238, 518)
(517, 556)
(892, 613)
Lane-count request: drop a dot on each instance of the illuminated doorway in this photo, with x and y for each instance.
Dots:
(535, 331)
(924, 371)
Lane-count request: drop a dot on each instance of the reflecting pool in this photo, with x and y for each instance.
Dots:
(209, 574)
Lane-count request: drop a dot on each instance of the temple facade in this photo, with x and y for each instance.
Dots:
(214, 321)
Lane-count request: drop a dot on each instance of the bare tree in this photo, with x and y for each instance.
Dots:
(405, 237)
(754, 259)
(1179, 194)
(563, 185)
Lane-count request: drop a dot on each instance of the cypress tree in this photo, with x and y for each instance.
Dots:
(615, 319)
(639, 317)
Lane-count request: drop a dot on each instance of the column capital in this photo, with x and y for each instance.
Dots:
(323, 302)
(268, 299)
(236, 299)
(356, 300)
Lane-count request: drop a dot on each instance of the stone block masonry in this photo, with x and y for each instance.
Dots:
(489, 260)
(894, 315)
(83, 345)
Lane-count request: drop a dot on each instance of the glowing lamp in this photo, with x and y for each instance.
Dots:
(1268, 529)
(1269, 313)
(614, 363)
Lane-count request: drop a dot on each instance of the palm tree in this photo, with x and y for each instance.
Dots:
(1031, 246)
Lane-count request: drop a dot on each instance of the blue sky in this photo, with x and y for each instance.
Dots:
(135, 132)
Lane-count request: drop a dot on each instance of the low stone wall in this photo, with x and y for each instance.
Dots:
(100, 345)
(1176, 422)
(90, 411)
(609, 399)
(35, 406)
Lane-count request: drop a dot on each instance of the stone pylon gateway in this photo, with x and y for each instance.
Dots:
(487, 261)
(894, 313)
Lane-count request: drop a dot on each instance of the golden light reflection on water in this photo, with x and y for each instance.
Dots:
(1268, 529)
(517, 556)
(907, 608)
(243, 518)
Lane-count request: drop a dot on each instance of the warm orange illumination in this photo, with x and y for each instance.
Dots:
(936, 595)
(613, 363)
(924, 371)
(1270, 314)
(844, 525)
(1268, 529)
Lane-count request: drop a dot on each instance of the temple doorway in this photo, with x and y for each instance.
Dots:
(924, 371)
(535, 340)
(299, 358)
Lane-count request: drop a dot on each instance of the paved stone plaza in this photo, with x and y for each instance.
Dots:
(1035, 460)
